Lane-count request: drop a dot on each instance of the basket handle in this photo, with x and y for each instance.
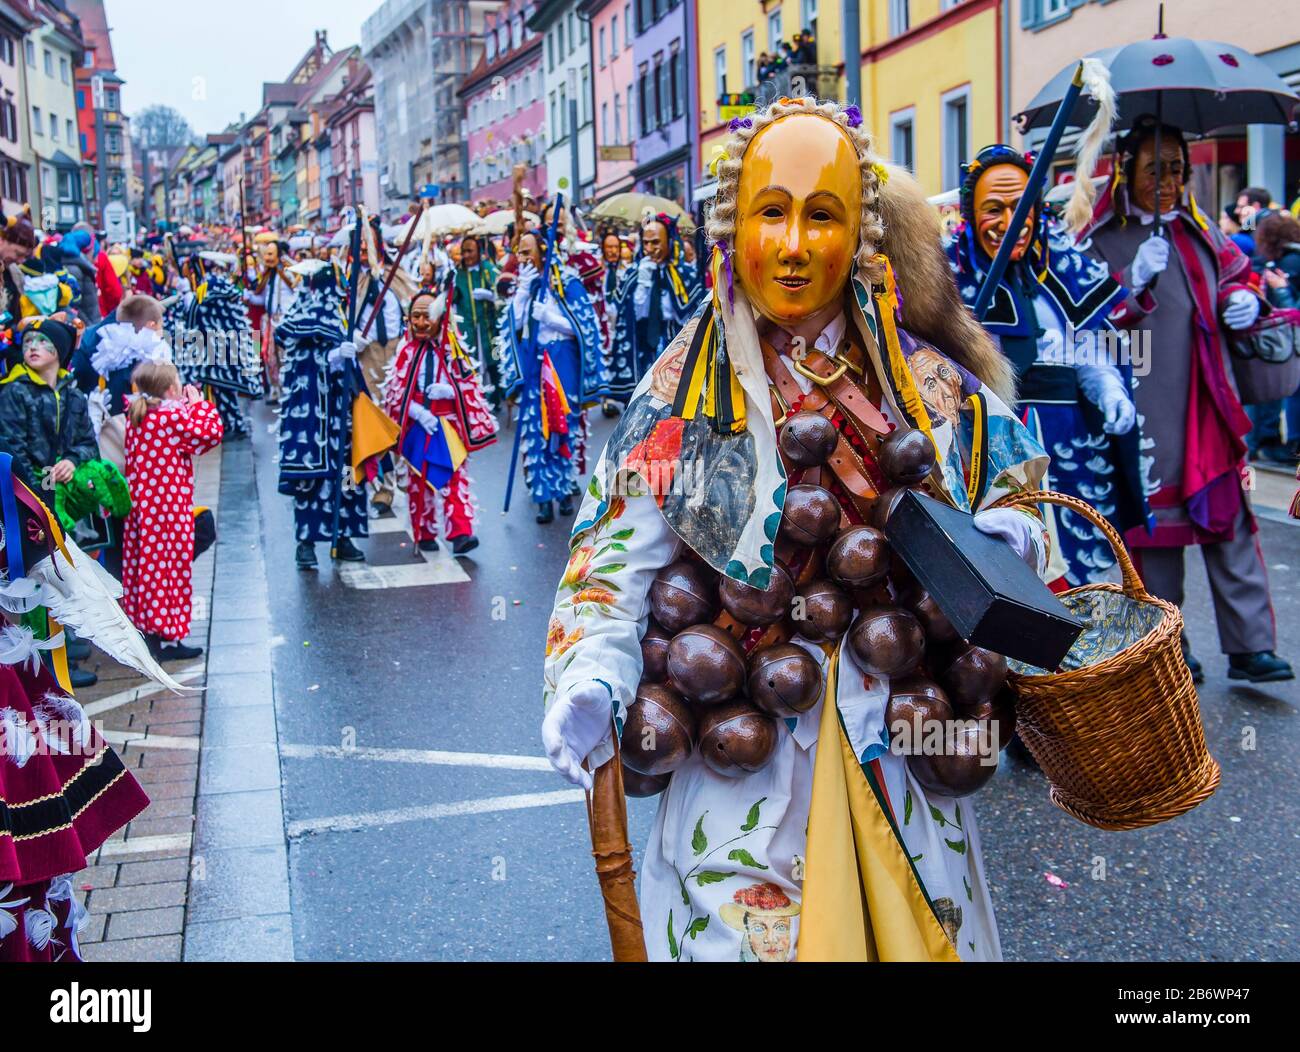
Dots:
(1133, 586)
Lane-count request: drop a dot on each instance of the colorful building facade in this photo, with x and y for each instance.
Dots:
(613, 92)
(663, 88)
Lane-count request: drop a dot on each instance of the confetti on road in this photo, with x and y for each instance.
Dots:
(1055, 881)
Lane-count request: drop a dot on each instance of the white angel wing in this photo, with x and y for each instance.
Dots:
(83, 595)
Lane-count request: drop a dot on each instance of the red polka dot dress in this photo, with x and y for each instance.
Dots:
(158, 548)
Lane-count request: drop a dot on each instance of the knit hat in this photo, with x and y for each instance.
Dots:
(64, 337)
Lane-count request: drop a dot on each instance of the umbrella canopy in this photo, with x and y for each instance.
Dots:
(495, 223)
(441, 221)
(630, 207)
(1197, 86)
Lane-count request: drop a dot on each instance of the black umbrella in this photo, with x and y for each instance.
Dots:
(1196, 85)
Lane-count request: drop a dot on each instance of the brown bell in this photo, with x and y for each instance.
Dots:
(683, 593)
(736, 739)
(882, 506)
(759, 606)
(887, 641)
(784, 680)
(811, 515)
(999, 713)
(859, 557)
(936, 624)
(974, 675)
(808, 439)
(659, 731)
(822, 611)
(906, 457)
(706, 665)
(636, 784)
(654, 654)
(968, 763)
(916, 703)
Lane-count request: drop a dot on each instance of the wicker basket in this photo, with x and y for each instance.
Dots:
(1120, 737)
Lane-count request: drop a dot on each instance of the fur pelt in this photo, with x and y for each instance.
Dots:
(932, 308)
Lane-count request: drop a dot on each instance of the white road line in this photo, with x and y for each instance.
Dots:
(349, 823)
(134, 694)
(150, 741)
(141, 844)
(427, 756)
(440, 569)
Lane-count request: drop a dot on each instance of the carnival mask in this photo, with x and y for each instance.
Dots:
(271, 255)
(1173, 174)
(798, 216)
(654, 241)
(997, 193)
(469, 252)
(420, 318)
(530, 250)
(612, 248)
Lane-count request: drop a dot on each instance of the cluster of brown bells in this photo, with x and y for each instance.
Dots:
(720, 670)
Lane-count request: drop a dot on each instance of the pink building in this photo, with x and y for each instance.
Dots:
(505, 114)
(612, 31)
(354, 173)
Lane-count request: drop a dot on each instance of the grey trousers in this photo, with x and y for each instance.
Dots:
(1238, 584)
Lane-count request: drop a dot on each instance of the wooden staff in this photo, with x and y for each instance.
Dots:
(607, 815)
(520, 170)
(243, 236)
(392, 271)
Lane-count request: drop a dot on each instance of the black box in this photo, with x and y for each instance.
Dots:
(990, 595)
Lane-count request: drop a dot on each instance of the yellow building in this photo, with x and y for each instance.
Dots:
(732, 35)
(932, 84)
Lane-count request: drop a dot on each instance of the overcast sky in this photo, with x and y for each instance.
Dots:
(209, 59)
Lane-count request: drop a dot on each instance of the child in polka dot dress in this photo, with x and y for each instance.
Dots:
(168, 427)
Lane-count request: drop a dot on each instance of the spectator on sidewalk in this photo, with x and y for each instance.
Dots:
(1277, 237)
(168, 426)
(45, 421)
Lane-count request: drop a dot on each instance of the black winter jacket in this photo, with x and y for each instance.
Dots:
(40, 426)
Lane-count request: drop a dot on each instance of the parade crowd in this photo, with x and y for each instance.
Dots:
(393, 352)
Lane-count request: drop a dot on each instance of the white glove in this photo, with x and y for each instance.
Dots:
(1242, 310)
(1152, 258)
(1020, 530)
(645, 271)
(439, 392)
(526, 275)
(344, 352)
(574, 725)
(483, 295)
(545, 312)
(1118, 409)
(421, 415)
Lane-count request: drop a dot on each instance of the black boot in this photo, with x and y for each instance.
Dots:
(178, 652)
(80, 677)
(1261, 667)
(609, 409)
(566, 505)
(347, 552)
(545, 512)
(306, 555)
(428, 546)
(78, 648)
(464, 545)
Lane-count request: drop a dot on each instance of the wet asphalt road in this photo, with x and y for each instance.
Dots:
(393, 857)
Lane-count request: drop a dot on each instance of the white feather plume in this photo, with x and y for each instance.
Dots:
(1096, 82)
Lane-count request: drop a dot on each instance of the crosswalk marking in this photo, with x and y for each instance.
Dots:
(425, 756)
(352, 822)
(433, 569)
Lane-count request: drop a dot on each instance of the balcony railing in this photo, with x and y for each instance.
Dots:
(794, 81)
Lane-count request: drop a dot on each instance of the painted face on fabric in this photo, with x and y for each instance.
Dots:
(769, 937)
(423, 327)
(799, 211)
(1173, 175)
(654, 240)
(997, 193)
(938, 382)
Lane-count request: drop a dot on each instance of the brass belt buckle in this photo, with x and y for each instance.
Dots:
(821, 381)
(785, 406)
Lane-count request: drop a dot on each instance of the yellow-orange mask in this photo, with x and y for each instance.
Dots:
(798, 217)
(998, 191)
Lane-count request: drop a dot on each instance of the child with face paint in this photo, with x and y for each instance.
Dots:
(1189, 290)
(1050, 316)
(433, 380)
(815, 817)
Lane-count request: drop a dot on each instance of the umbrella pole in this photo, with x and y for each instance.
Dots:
(1029, 198)
(1160, 121)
